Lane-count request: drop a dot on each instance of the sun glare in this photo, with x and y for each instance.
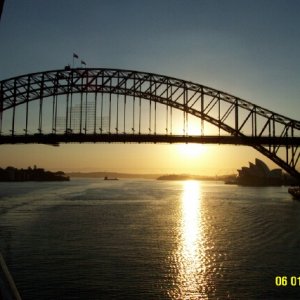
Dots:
(191, 150)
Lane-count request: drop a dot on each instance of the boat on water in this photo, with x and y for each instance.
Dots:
(295, 192)
(107, 178)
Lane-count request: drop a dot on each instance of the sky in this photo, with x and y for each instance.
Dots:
(247, 48)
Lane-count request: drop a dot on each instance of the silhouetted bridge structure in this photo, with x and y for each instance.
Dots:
(97, 105)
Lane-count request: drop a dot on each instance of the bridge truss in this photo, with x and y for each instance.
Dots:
(112, 105)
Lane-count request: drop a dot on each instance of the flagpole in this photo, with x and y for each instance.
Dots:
(74, 56)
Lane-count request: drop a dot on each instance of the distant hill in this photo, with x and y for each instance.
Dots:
(111, 175)
(146, 176)
(192, 177)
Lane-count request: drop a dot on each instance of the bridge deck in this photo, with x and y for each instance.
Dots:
(56, 139)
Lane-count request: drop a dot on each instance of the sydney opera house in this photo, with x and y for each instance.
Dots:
(259, 174)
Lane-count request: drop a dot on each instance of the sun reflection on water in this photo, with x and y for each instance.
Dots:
(190, 217)
(190, 254)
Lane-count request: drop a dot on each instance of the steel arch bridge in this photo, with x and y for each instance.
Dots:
(112, 105)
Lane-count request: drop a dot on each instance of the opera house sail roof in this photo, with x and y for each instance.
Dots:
(259, 174)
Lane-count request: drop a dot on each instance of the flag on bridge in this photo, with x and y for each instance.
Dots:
(75, 55)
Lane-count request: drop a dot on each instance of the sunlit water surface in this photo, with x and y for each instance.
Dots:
(144, 239)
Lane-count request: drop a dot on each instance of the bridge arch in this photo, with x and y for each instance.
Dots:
(238, 121)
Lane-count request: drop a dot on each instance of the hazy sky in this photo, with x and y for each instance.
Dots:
(247, 48)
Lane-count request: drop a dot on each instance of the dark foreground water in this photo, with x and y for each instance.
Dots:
(143, 239)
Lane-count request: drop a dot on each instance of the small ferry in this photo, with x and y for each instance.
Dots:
(107, 178)
(295, 192)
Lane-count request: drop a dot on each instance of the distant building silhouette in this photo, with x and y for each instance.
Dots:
(35, 174)
(259, 174)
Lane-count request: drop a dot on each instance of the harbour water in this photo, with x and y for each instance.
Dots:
(148, 239)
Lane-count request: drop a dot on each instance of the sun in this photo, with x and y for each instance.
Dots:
(191, 150)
